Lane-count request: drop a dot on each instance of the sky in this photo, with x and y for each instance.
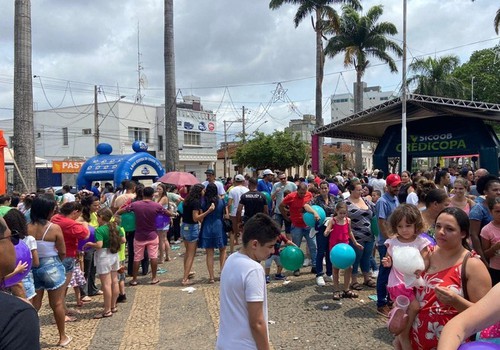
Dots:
(230, 53)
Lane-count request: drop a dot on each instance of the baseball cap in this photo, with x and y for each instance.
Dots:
(393, 180)
(239, 178)
(210, 172)
(267, 172)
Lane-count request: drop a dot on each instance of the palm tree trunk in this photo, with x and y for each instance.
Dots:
(24, 137)
(320, 62)
(171, 139)
(358, 107)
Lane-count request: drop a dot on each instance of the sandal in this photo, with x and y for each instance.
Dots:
(65, 343)
(133, 283)
(356, 286)
(370, 283)
(104, 315)
(156, 281)
(211, 281)
(186, 282)
(336, 295)
(86, 299)
(349, 294)
(114, 310)
(191, 274)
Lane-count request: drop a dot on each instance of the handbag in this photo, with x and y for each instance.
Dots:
(227, 224)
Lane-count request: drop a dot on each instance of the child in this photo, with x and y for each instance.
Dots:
(490, 239)
(77, 279)
(276, 257)
(108, 240)
(243, 321)
(122, 297)
(16, 221)
(339, 230)
(406, 221)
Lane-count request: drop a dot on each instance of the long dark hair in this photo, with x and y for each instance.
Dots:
(42, 209)
(211, 195)
(86, 204)
(462, 220)
(16, 222)
(194, 194)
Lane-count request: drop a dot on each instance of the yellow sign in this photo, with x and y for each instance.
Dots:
(66, 166)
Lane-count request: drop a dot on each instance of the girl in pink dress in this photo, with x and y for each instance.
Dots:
(339, 231)
(406, 221)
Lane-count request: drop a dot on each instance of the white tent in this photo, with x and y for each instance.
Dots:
(9, 161)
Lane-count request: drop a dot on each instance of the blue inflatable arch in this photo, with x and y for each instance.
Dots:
(105, 166)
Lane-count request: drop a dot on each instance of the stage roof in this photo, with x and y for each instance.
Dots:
(370, 124)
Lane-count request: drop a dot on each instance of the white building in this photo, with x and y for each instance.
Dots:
(343, 104)
(70, 132)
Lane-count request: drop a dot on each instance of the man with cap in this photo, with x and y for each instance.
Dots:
(266, 184)
(234, 200)
(383, 210)
(211, 179)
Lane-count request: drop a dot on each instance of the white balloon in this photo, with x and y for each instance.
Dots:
(408, 260)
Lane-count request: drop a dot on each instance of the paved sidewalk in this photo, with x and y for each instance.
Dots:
(302, 316)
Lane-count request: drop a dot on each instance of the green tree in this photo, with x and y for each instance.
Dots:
(480, 76)
(24, 136)
(359, 37)
(280, 150)
(433, 76)
(324, 13)
(171, 140)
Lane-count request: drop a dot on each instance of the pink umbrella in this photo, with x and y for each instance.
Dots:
(179, 178)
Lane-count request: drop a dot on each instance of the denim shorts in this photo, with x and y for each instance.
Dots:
(190, 232)
(29, 286)
(69, 264)
(50, 274)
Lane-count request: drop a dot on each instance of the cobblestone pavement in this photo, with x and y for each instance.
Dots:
(162, 316)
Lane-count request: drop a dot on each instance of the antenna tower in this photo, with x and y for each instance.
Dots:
(141, 78)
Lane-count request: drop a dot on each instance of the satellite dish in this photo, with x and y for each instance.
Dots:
(144, 81)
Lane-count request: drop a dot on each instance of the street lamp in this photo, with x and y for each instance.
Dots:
(404, 150)
(257, 129)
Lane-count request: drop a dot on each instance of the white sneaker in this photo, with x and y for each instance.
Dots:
(375, 274)
(307, 262)
(329, 278)
(320, 281)
(312, 233)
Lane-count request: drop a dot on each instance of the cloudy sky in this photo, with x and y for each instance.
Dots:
(231, 53)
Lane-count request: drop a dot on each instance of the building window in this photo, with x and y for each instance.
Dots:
(65, 136)
(138, 134)
(192, 138)
(384, 98)
(87, 131)
(38, 135)
(160, 143)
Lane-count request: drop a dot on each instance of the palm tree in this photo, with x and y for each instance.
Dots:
(322, 10)
(24, 137)
(171, 140)
(359, 37)
(496, 21)
(433, 76)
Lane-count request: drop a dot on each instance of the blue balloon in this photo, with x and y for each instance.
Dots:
(342, 256)
(309, 218)
(479, 345)
(333, 189)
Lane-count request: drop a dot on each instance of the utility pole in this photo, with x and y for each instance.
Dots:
(225, 150)
(96, 120)
(243, 122)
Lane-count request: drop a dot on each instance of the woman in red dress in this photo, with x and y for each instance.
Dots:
(442, 296)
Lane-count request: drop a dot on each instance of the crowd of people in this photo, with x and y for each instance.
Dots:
(451, 218)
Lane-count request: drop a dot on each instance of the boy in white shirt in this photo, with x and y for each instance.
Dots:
(243, 294)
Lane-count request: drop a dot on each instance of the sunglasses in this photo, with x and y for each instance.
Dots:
(14, 237)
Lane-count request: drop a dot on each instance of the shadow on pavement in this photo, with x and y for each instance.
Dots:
(383, 334)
